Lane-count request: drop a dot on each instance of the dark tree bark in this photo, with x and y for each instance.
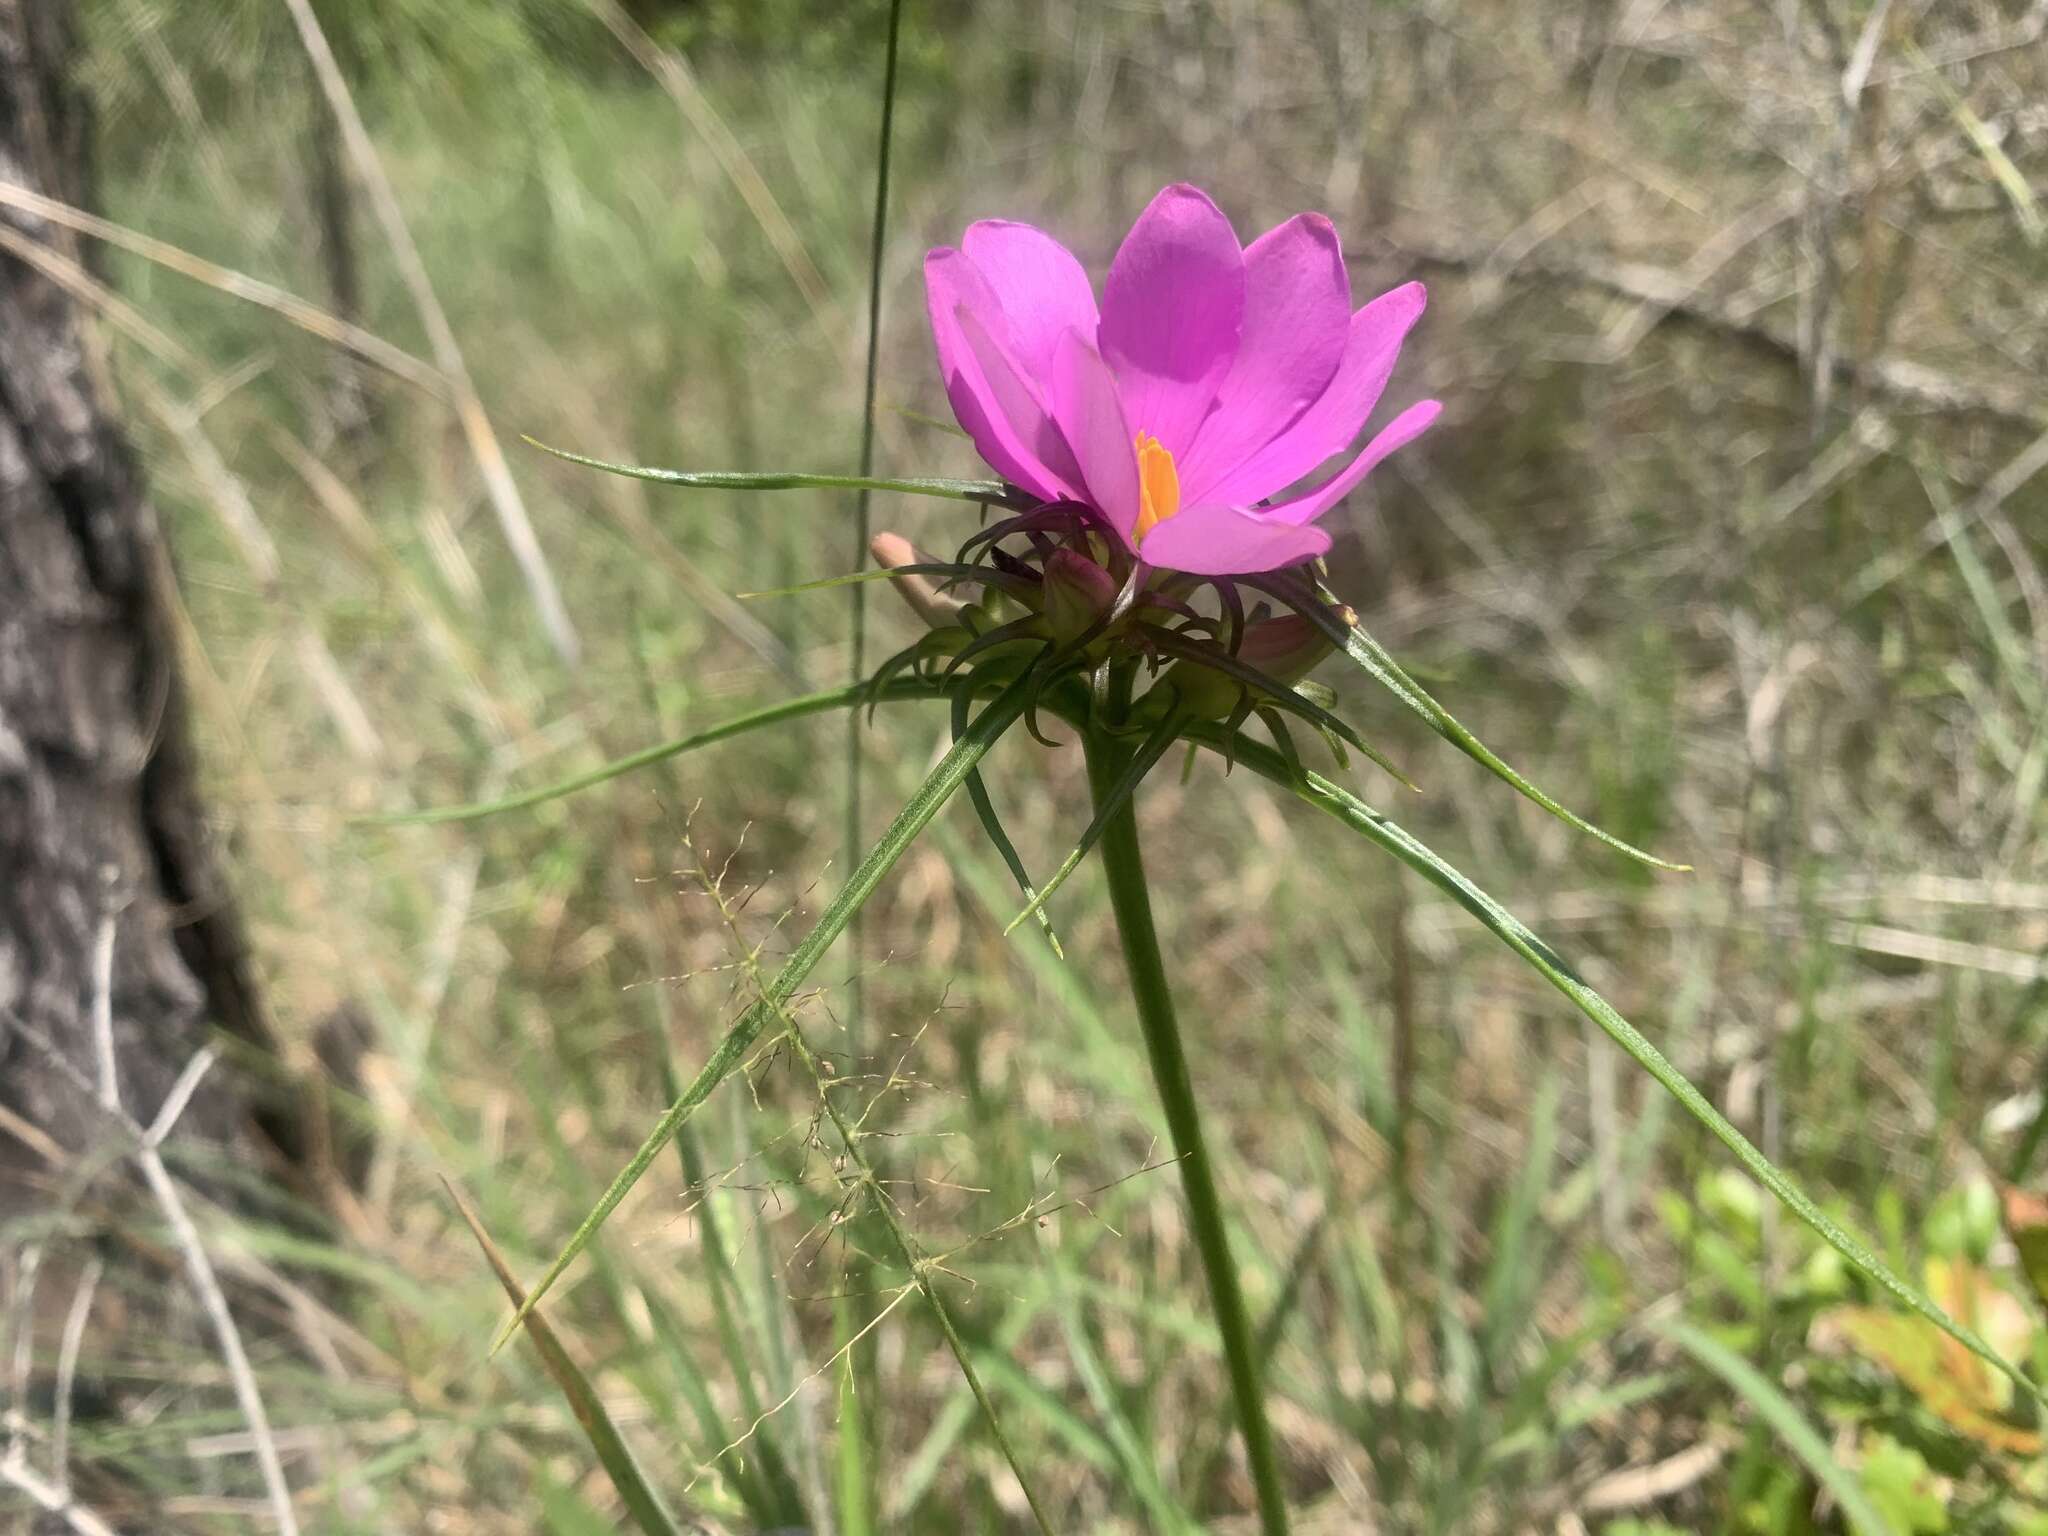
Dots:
(99, 820)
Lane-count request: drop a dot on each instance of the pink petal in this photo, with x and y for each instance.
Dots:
(1332, 423)
(1091, 418)
(1021, 403)
(1011, 447)
(1172, 310)
(1227, 541)
(1403, 429)
(1039, 283)
(1297, 314)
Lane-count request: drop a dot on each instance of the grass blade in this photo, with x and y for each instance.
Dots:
(774, 714)
(1786, 1422)
(1505, 1300)
(952, 770)
(1505, 926)
(1133, 1460)
(857, 611)
(856, 1476)
(992, 825)
(992, 491)
(1154, 747)
(2012, 181)
(1368, 653)
(641, 1500)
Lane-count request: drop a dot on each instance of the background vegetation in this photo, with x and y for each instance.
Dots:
(1731, 536)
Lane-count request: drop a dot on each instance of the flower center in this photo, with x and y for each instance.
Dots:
(1158, 485)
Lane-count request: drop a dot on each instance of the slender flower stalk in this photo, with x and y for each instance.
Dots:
(1123, 864)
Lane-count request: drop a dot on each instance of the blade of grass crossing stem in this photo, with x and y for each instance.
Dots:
(993, 491)
(770, 1312)
(1369, 654)
(1505, 926)
(2013, 652)
(1272, 1328)
(773, 714)
(938, 787)
(639, 1497)
(864, 1179)
(1154, 747)
(1051, 1410)
(992, 825)
(1786, 1422)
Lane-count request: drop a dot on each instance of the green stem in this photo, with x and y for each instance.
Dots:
(1124, 865)
(857, 619)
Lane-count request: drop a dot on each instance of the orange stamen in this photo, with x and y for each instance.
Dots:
(1158, 486)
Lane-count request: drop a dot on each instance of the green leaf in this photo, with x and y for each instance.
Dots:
(775, 714)
(1368, 653)
(1371, 655)
(1506, 927)
(641, 1500)
(1903, 1486)
(792, 480)
(952, 770)
(992, 826)
(1786, 1422)
(1154, 747)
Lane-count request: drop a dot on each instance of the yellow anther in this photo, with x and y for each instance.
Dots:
(1158, 486)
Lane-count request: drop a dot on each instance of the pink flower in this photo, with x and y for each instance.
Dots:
(1213, 378)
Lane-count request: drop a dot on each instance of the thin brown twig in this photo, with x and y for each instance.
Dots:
(674, 75)
(66, 274)
(52, 1498)
(308, 317)
(198, 1267)
(1674, 296)
(476, 426)
(68, 1346)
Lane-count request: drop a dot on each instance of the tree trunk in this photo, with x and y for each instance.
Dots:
(102, 845)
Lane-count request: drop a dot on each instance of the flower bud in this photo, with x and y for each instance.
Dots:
(1285, 649)
(892, 551)
(1077, 592)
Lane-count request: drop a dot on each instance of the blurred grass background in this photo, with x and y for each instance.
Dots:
(1731, 537)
